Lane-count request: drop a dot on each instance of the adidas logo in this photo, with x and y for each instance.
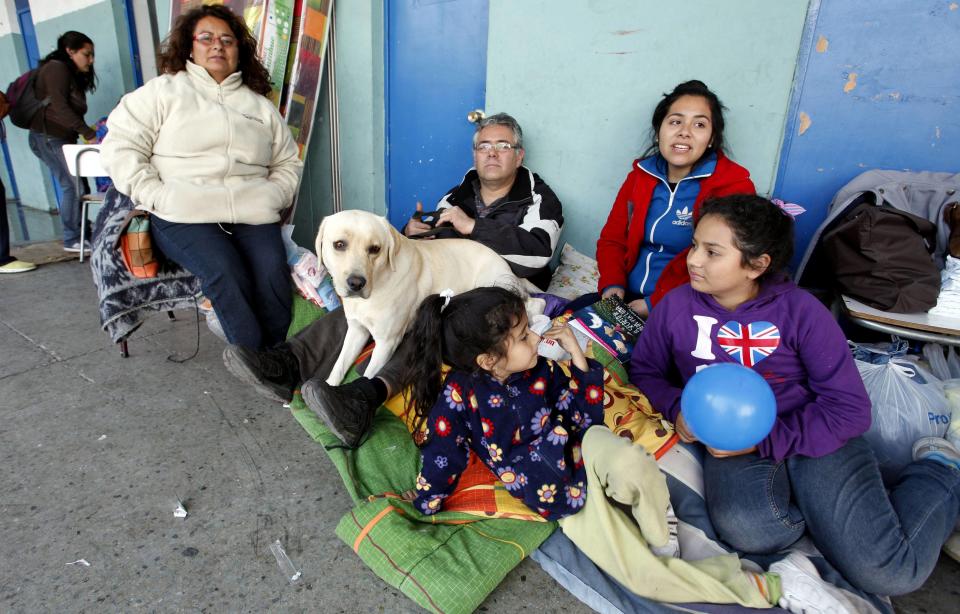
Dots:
(683, 217)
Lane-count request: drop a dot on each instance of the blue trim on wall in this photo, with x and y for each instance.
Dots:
(29, 33)
(799, 77)
(132, 41)
(386, 107)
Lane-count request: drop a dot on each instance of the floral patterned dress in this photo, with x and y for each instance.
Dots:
(527, 430)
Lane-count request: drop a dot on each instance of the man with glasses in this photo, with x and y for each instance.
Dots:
(500, 203)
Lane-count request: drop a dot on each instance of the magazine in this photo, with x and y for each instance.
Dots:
(610, 323)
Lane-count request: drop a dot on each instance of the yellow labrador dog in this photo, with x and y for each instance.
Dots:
(382, 277)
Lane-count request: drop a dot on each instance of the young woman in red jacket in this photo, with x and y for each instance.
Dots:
(642, 248)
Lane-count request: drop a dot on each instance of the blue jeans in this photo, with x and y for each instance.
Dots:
(882, 543)
(243, 271)
(50, 152)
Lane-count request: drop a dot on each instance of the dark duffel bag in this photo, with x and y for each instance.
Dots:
(882, 257)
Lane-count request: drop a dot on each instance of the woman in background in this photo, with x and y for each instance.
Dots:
(64, 78)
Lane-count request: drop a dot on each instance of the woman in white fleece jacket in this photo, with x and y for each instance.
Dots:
(207, 154)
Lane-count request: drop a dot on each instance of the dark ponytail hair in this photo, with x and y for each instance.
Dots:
(759, 227)
(689, 88)
(74, 41)
(473, 323)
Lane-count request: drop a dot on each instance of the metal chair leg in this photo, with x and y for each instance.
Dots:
(83, 226)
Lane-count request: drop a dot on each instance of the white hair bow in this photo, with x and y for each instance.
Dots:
(447, 295)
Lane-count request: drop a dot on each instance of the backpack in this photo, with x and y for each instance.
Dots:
(882, 256)
(24, 105)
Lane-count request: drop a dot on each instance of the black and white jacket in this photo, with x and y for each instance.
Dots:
(524, 227)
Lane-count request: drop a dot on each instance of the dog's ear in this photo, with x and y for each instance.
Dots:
(318, 244)
(394, 239)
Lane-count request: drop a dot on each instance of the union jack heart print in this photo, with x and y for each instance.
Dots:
(748, 344)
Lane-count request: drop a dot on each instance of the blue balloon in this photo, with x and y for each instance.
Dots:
(728, 406)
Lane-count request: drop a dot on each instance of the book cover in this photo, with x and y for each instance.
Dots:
(610, 323)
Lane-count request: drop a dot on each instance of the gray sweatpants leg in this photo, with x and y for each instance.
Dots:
(317, 348)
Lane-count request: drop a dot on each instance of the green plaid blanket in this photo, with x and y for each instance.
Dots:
(449, 562)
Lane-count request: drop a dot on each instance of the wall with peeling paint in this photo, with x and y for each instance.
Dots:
(876, 87)
(583, 79)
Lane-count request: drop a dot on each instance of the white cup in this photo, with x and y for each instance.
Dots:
(548, 348)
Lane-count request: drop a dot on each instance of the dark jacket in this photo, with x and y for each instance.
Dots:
(63, 117)
(524, 228)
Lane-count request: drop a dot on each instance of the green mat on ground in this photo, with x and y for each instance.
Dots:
(448, 562)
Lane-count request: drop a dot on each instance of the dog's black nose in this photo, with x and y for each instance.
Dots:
(356, 283)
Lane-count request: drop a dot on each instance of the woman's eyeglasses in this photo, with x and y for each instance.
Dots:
(206, 39)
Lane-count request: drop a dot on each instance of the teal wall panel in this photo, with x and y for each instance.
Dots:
(359, 64)
(583, 78)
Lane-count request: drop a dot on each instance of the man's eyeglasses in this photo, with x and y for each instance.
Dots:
(206, 39)
(499, 147)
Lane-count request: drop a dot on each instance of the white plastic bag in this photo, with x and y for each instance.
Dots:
(944, 363)
(908, 403)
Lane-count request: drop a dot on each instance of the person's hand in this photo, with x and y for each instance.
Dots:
(640, 307)
(4, 105)
(613, 291)
(563, 334)
(461, 222)
(415, 226)
(728, 453)
(683, 431)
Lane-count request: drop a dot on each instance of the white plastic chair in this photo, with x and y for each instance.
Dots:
(84, 161)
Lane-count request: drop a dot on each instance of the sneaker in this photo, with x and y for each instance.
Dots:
(75, 247)
(937, 449)
(346, 410)
(804, 591)
(275, 373)
(17, 266)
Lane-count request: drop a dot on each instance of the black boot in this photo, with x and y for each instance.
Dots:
(275, 373)
(346, 410)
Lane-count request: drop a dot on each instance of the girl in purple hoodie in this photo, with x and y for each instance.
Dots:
(813, 473)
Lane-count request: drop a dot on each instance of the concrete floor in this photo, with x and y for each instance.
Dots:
(96, 449)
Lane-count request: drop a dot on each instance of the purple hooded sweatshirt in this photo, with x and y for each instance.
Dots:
(784, 334)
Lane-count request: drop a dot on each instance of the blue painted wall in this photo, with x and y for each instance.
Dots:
(877, 86)
(436, 69)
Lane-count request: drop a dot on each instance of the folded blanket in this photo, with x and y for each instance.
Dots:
(124, 299)
(560, 558)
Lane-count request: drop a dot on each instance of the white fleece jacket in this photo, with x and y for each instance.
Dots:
(191, 150)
